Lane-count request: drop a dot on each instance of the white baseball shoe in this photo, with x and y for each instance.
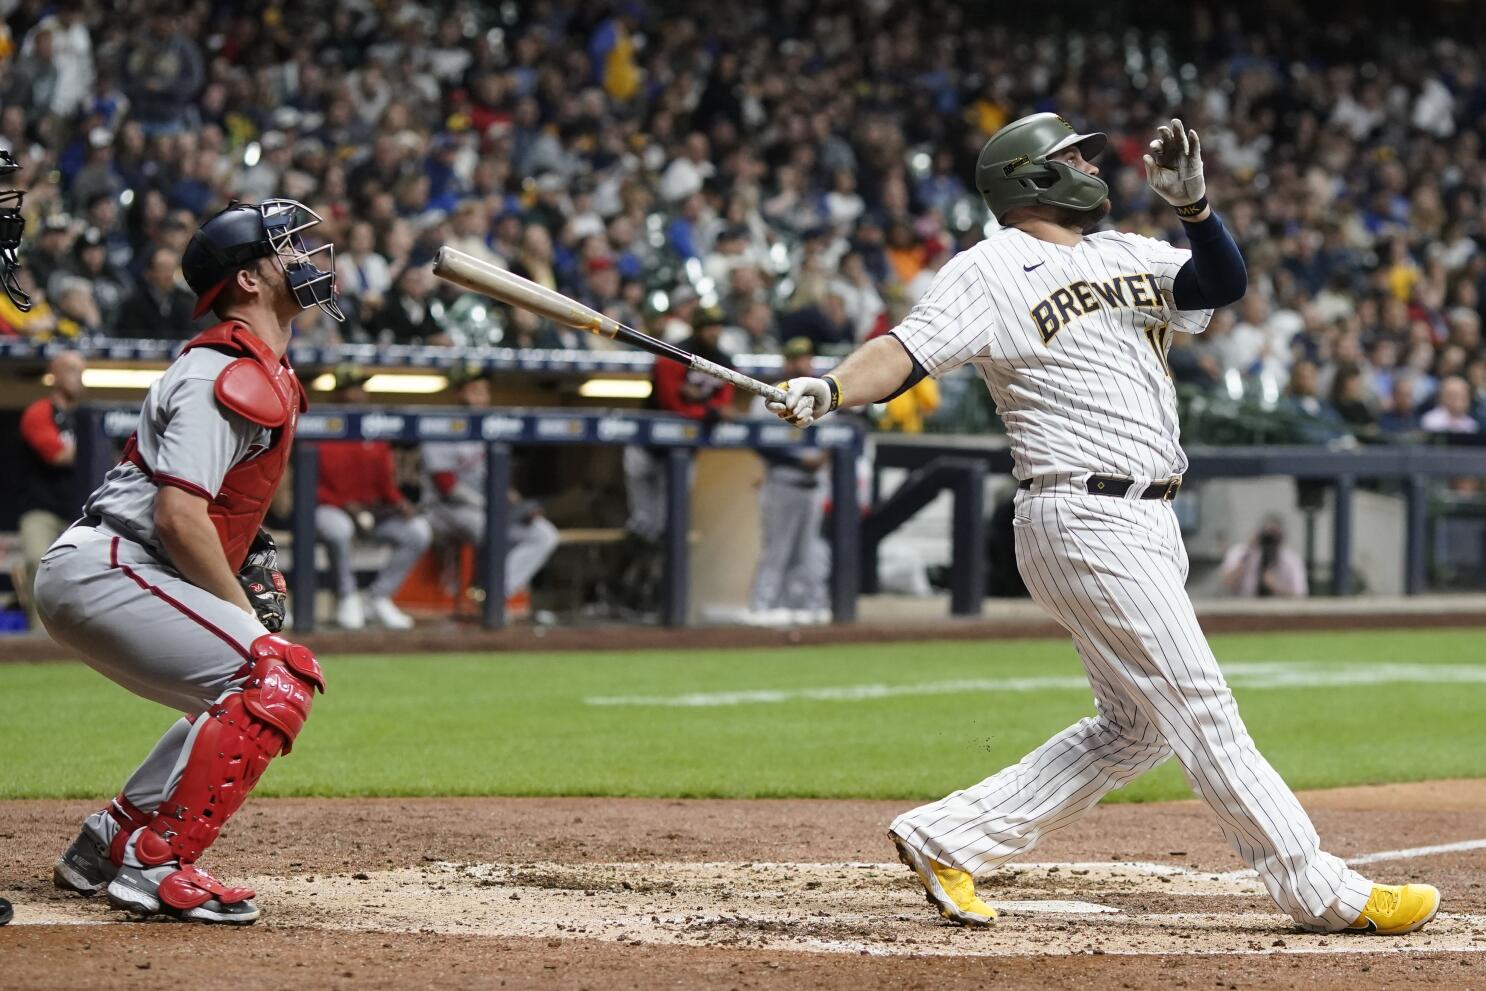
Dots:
(384, 611)
(769, 617)
(348, 613)
(179, 891)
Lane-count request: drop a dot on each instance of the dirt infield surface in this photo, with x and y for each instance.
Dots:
(611, 894)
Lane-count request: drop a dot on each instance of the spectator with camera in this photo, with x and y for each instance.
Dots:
(1264, 567)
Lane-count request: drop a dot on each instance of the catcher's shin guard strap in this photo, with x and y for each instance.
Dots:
(129, 818)
(234, 743)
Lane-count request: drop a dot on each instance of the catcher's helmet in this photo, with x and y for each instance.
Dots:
(246, 231)
(1013, 169)
(12, 226)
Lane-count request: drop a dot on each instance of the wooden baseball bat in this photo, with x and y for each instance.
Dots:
(471, 273)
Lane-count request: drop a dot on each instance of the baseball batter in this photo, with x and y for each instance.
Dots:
(1069, 329)
(167, 584)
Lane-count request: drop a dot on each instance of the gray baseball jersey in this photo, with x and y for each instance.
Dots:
(108, 592)
(186, 437)
(465, 459)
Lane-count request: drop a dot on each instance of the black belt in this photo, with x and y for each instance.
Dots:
(1110, 485)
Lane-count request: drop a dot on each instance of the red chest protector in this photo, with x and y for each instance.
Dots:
(262, 389)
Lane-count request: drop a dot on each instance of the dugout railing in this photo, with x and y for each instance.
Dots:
(32, 356)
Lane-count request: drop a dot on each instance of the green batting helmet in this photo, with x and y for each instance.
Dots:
(1013, 169)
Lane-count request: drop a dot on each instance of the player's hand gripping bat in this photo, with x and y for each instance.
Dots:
(471, 273)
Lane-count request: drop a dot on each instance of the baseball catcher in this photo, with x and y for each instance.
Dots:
(168, 585)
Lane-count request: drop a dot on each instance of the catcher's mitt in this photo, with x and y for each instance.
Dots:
(263, 582)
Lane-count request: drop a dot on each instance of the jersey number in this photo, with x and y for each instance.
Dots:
(1159, 336)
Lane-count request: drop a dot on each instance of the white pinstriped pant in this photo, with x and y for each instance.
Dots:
(1113, 573)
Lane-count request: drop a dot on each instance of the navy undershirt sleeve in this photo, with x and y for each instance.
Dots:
(1215, 274)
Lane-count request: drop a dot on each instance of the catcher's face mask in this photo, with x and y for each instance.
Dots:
(285, 221)
(12, 225)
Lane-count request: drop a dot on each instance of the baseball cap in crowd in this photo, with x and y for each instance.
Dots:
(349, 376)
(799, 347)
(57, 223)
(707, 316)
(460, 375)
(90, 238)
(287, 119)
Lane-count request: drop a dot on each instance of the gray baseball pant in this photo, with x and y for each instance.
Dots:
(528, 545)
(408, 538)
(136, 621)
(788, 564)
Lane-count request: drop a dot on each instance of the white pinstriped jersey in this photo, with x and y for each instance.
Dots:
(1071, 342)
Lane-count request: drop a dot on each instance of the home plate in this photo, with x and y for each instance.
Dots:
(1053, 907)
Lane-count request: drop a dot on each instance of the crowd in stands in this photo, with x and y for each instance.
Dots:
(804, 167)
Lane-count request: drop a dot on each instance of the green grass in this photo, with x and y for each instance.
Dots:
(517, 724)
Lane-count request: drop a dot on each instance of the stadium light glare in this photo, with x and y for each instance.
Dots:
(324, 382)
(406, 384)
(116, 378)
(615, 389)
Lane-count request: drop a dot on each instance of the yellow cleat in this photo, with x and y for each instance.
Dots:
(1395, 909)
(948, 889)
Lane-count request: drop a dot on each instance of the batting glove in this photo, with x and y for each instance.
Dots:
(806, 400)
(1173, 166)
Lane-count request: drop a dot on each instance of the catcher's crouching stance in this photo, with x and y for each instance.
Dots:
(168, 584)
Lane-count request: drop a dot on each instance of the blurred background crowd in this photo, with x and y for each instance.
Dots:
(790, 168)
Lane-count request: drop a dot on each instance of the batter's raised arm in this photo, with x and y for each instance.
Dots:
(1215, 275)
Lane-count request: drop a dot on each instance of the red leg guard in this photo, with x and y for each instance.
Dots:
(234, 743)
(129, 818)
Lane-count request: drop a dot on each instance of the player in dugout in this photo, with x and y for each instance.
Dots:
(454, 500)
(48, 474)
(684, 392)
(358, 495)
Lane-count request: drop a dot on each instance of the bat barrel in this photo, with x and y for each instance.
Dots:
(478, 276)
